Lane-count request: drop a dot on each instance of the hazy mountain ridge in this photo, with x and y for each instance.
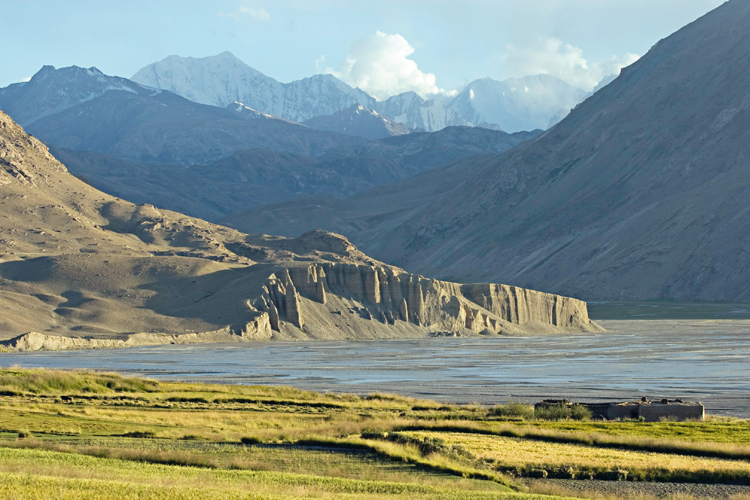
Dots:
(358, 121)
(252, 177)
(558, 117)
(223, 79)
(516, 104)
(249, 113)
(136, 142)
(641, 192)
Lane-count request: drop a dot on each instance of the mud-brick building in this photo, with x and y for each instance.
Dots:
(649, 411)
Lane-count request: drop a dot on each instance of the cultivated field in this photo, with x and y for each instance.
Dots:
(97, 435)
(571, 460)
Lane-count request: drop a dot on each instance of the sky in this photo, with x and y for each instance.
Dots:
(385, 47)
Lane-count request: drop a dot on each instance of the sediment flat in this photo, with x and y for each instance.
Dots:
(697, 360)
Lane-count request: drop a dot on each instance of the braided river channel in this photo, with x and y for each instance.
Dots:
(694, 360)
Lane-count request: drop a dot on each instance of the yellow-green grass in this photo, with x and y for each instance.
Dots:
(713, 429)
(88, 413)
(65, 475)
(103, 399)
(112, 388)
(336, 462)
(509, 453)
(679, 442)
(78, 406)
(86, 403)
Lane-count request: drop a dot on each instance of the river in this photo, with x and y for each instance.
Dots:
(695, 360)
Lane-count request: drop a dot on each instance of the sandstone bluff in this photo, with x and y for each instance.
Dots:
(82, 269)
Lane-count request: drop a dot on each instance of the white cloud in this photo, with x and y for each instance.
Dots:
(244, 12)
(27, 79)
(380, 66)
(553, 57)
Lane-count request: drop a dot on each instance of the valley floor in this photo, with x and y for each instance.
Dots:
(620, 489)
(634, 358)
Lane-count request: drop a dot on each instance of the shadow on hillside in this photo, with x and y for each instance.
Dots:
(220, 298)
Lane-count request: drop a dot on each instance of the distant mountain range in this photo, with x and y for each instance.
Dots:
(149, 145)
(223, 79)
(83, 109)
(534, 102)
(512, 105)
(641, 192)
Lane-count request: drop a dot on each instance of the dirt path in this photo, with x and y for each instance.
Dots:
(637, 490)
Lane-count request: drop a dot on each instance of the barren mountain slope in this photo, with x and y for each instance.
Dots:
(76, 261)
(358, 121)
(641, 192)
(369, 218)
(254, 177)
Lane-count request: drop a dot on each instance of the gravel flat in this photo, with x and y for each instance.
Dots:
(626, 490)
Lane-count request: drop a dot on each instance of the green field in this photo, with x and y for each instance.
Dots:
(94, 435)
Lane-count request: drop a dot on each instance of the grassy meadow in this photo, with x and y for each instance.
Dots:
(80, 434)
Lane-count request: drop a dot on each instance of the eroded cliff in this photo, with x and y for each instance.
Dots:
(308, 300)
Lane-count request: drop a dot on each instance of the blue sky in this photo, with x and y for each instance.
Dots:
(439, 44)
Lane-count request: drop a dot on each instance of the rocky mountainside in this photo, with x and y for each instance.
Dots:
(358, 121)
(81, 268)
(557, 117)
(249, 178)
(223, 79)
(249, 113)
(418, 114)
(640, 193)
(51, 91)
(84, 110)
(516, 104)
(404, 156)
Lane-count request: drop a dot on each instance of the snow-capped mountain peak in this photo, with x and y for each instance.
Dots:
(516, 104)
(53, 90)
(216, 80)
(417, 114)
(512, 105)
(223, 79)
